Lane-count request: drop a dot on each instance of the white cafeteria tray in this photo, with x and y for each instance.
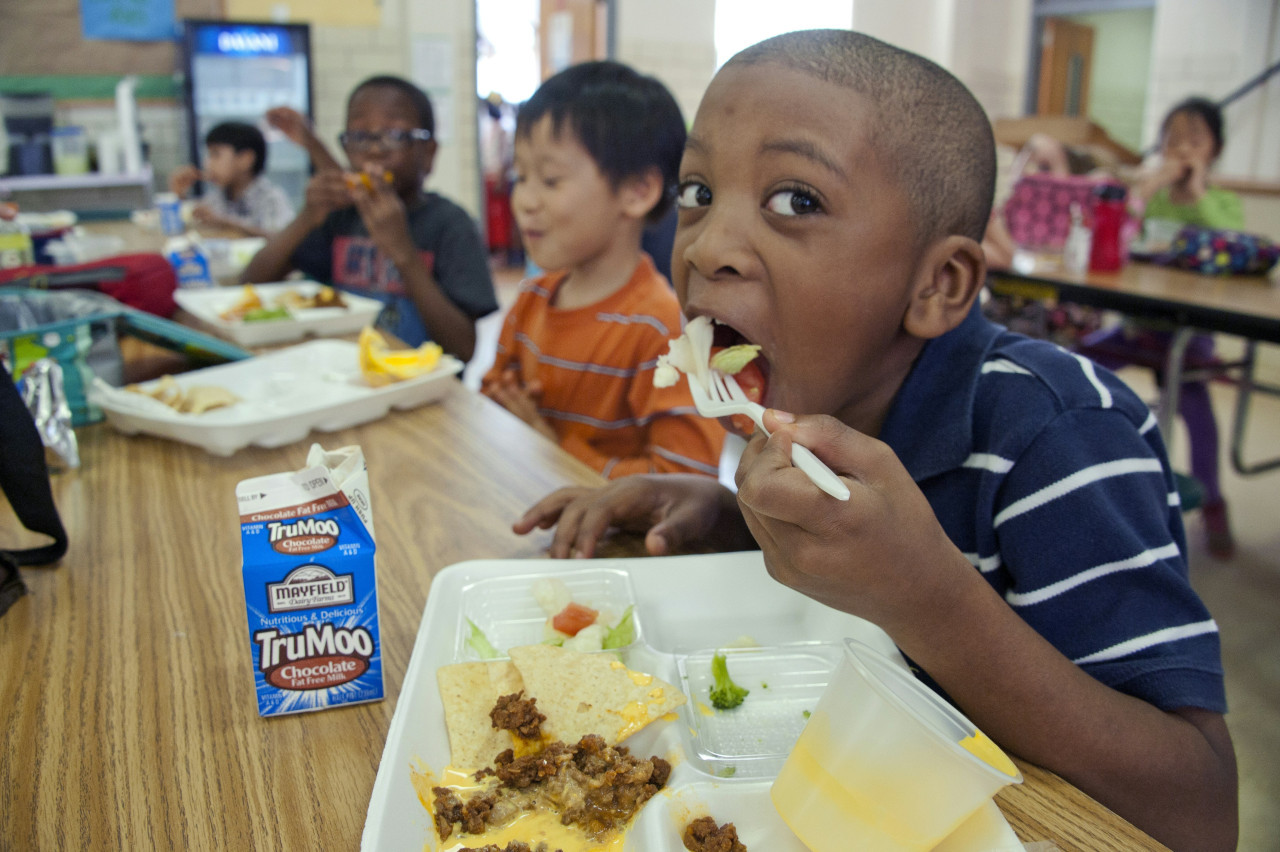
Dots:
(207, 306)
(689, 607)
(283, 396)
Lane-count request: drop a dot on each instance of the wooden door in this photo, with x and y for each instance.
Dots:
(572, 31)
(1066, 60)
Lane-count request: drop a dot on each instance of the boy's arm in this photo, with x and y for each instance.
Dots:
(883, 555)
(326, 192)
(673, 510)
(297, 128)
(385, 218)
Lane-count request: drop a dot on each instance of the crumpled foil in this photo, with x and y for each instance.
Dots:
(42, 392)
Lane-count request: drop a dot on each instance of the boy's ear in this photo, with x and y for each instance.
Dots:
(639, 193)
(429, 149)
(948, 279)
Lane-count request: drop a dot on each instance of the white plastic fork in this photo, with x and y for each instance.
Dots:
(726, 398)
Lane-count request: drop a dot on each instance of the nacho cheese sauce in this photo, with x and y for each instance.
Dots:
(533, 828)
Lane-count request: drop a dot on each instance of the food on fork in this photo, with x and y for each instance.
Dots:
(695, 354)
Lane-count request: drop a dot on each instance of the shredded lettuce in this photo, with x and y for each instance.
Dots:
(734, 358)
(621, 634)
(479, 643)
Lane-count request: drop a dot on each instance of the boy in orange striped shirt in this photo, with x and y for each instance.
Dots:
(597, 150)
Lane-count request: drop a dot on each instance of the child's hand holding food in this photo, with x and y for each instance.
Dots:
(879, 555)
(383, 214)
(326, 192)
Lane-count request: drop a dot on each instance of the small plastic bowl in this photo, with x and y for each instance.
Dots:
(506, 611)
(880, 766)
(752, 740)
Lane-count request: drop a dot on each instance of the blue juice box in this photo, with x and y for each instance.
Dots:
(310, 588)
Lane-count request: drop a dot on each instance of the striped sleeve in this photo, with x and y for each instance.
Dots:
(1082, 528)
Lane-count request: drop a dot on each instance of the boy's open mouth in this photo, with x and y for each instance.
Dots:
(754, 377)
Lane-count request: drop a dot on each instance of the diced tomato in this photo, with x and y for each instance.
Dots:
(751, 380)
(573, 618)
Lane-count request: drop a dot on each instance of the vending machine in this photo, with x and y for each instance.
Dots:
(236, 71)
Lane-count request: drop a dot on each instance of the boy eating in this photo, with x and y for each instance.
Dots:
(1014, 524)
(376, 232)
(596, 153)
(242, 199)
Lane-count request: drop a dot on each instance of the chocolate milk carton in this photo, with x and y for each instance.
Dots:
(309, 584)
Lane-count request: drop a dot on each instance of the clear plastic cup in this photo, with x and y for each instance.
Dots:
(880, 765)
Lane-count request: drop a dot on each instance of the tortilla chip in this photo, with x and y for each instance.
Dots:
(468, 692)
(202, 398)
(584, 693)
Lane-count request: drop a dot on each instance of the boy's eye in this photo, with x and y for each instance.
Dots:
(693, 194)
(793, 202)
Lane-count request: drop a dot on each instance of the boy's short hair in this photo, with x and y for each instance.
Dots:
(1209, 112)
(240, 137)
(928, 129)
(628, 122)
(417, 97)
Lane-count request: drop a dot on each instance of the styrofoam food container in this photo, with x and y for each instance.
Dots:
(284, 394)
(688, 605)
(207, 305)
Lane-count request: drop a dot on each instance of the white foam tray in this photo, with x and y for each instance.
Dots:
(207, 306)
(687, 606)
(284, 394)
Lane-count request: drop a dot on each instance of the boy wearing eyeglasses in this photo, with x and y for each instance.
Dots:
(377, 232)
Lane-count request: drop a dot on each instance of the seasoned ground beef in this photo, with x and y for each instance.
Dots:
(513, 713)
(591, 785)
(513, 846)
(703, 835)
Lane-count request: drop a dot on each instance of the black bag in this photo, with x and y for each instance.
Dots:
(24, 478)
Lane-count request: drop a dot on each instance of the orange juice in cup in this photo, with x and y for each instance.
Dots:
(884, 763)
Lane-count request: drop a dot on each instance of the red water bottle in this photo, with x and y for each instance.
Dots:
(1108, 213)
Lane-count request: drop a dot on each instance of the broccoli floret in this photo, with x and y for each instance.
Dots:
(725, 694)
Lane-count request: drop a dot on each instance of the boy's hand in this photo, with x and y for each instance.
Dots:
(520, 399)
(326, 192)
(673, 510)
(384, 216)
(182, 179)
(203, 215)
(876, 555)
(293, 124)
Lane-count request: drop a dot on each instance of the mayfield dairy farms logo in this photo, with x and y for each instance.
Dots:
(320, 657)
(300, 538)
(310, 587)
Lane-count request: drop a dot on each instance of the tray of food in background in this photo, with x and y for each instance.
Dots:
(715, 675)
(262, 314)
(278, 398)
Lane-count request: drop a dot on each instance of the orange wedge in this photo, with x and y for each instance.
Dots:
(382, 365)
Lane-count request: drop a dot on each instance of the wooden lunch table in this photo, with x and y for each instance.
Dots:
(126, 689)
(130, 718)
